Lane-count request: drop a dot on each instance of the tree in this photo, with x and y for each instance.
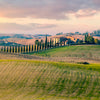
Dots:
(69, 41)
(46, 43)
(41, 41)
(80, 41)
(96, 41)
(50, 43)
(90, 40)
(37, 42)
(86, 38)
(7, 48)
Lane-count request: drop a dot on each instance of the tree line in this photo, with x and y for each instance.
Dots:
(90, 40)
(39, 45)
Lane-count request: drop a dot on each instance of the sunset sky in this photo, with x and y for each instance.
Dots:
(49, 16)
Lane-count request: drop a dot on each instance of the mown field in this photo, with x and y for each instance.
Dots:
(81, 51)
(45, 80)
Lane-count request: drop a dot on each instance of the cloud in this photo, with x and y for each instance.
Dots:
(42, 25)
(85, 13)
(13, 26)
(97, 2)
(27, 27)
(50, 9)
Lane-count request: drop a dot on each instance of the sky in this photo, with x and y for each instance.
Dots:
(49, 16)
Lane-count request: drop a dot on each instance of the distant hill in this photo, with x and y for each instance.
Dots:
(4, 37)
(19, 39)
(5, 43)
(41, 35)
(22, 36)
(97, 35)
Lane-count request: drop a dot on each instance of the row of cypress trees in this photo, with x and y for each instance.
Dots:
(39, 46)
(22, 49)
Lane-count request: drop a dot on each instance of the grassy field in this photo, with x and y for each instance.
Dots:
(43, 80)
(81, 51)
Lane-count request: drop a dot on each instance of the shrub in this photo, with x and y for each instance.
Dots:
(83, 63)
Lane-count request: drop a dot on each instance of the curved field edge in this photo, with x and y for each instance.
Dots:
(42, 80)
(94, 67)
(81, 51)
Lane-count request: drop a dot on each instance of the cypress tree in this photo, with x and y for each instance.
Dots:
(85, 38)
(50, 43)
(29, 48)
(64, 43)
(33, 48)
(41, 47)
(22, 49)
(46, 42)
(7, 48)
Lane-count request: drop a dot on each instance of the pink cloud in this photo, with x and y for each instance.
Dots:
(50, 9)
(85, 13)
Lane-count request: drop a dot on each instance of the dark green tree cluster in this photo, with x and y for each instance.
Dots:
(91, 40)
(80, 42)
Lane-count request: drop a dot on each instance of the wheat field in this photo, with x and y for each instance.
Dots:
(43, 80)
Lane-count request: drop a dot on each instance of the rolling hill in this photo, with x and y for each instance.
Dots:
(47, 75)
(42, 80)
(79, 51)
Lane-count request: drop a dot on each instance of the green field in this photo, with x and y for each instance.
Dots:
(43, 80)
(81, 51)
